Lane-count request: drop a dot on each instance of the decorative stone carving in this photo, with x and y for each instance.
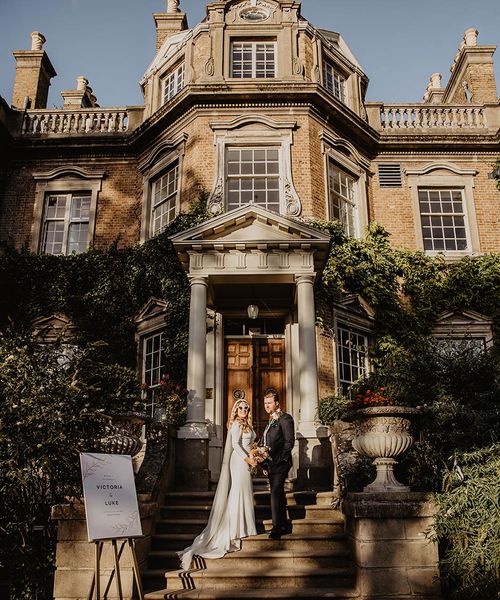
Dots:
(468, 93)
(297, 66)
(292, 202)
(216, 200)
(382, 433)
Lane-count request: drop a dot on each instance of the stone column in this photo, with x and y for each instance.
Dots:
(196, 366)
(192, 444)
(308, 362)
(314, 448)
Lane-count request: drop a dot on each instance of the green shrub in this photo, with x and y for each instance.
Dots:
(468, 524)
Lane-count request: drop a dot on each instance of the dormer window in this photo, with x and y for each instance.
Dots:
(334, 81)
(172, 83)
(253, 59)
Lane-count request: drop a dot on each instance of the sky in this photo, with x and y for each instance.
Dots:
(399, 43)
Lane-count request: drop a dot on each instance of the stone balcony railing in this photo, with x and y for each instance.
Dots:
(63, 122)
(432, 118)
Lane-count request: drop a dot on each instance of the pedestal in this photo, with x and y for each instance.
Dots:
(394, 558)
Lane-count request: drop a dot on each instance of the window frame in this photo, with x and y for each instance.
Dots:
(336, 72)
(363, 370)
(67, 220)
(179, 69)
(159, 160)
(64, 181)
(335, 151)
(167, 201)
(445, 176)
(254, 41)
(241, 176)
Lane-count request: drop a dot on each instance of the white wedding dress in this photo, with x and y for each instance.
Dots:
(232, 516)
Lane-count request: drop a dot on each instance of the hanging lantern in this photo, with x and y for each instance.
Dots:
(253, 311)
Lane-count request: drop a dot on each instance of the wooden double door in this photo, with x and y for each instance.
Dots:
(254, 364)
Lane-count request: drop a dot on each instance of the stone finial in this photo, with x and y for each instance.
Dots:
(81, 83)
(470, 37)
(435, 80)
(37, 40)
(173, 6)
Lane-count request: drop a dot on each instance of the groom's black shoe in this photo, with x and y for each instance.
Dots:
(275, 534)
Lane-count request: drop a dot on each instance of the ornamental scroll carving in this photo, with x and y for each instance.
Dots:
(216, 200)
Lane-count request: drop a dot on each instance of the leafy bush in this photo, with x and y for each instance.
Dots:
(468, 522)
(52, 409)
(331, 408)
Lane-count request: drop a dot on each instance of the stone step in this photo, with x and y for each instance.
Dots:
(171, 541)
(335, 543)
(278, 593)
(202, 512)
(313, 511)
(256, 578)
(269, 559)
(259, 543)
(189, 498)
(292, 498)
(331, 525)
(194, 526)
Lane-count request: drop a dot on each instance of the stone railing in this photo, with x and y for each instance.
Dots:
(421, 117)
(80, 121)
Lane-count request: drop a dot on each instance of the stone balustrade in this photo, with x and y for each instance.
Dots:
(421, 117)
(80, 121)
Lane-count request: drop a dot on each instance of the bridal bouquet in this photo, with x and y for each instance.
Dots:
(259, 454)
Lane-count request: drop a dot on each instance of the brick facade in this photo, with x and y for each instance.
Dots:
(351, 132)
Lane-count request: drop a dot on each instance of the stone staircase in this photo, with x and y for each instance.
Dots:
(312, 562)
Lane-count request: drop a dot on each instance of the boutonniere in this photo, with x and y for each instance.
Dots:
(275, 417)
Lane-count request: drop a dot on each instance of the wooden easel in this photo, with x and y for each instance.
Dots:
(95, 588)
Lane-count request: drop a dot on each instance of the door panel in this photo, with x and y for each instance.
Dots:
(252, 366)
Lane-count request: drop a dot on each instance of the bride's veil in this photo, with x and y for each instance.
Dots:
(214, 541)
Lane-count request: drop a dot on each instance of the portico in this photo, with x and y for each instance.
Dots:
(250, 255)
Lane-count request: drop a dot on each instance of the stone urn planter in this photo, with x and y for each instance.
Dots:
(124, 435)
(382, 433)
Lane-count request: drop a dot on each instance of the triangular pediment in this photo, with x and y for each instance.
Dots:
(152, 308)
(357, 305)
(250, 224)
(462, 318)
(52, 327)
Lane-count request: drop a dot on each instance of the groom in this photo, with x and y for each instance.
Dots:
(279, 435)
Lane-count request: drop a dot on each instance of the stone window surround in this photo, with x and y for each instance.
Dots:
(457, 178)
(243, 34)
(350, 321)
(356, 166)
(158, 161)
(255, 130)
(479, 327)
(64, 180)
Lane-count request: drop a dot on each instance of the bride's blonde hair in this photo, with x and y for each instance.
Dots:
(246, 422)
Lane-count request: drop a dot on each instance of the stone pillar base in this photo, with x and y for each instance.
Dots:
(75, 554)
(394, 559)
(191, 465)
(315, 466)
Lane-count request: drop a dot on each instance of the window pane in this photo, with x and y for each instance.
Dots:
(164, 203)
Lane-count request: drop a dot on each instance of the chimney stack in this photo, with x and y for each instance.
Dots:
(33, 74)
(169, 23)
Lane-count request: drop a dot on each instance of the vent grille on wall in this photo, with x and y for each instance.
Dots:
(390, 175)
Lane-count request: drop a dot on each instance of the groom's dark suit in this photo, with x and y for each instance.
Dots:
(280, 437)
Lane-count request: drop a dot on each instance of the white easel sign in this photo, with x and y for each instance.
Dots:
(110, 496)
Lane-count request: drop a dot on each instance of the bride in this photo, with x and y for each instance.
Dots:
(232, 516)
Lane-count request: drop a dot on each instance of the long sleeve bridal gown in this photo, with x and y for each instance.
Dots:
(232, 516)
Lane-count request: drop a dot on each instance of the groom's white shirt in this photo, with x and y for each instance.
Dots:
(264, 437)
